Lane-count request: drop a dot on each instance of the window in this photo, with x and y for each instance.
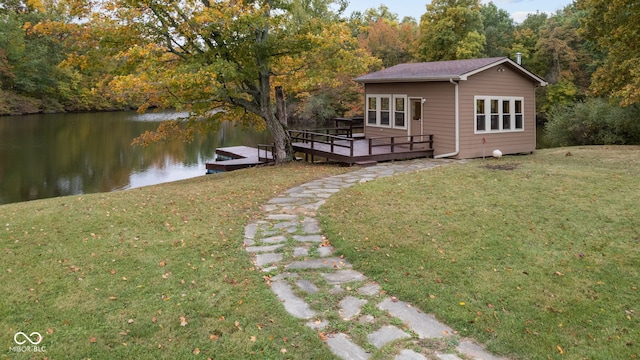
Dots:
(387, 111)
(495, 115)
(498, 114)
(481, 118)
(416, 110)
(372, 110)
(506, 115)
(399, 111)
(518, 111)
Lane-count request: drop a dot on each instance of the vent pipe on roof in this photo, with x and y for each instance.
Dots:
(519, 58)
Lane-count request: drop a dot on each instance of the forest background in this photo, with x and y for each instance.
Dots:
(76, 55)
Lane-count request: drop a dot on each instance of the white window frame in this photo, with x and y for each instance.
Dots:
(405, 112)
(392, 111)
(501, 115)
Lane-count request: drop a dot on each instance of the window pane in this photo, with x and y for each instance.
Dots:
(385, 103)
(494, 106)
(480, 123)
(399, 104)
(373, 103)
(518, 106)
(416, 110)
(505, 106)
(519, 121)
(399, 119)
(372, 117)
(506, 121)
(480, 106)
(495, 122)
(384, 118)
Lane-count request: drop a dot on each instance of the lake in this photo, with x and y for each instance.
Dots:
(50, 155)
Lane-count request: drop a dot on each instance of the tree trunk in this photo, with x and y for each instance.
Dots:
(277, 127)
(282, 139)
(281, 106)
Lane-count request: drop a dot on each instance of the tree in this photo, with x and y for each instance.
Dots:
(525, 40)
(388, 41)
(566, 56)
(613, 26)
(451, 29)
(219, 59)
(498, 30)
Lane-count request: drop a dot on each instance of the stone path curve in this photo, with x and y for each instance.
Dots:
(350, 312)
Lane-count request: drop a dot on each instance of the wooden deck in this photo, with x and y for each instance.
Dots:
(340, 144)
(361, 151)
(240, 157)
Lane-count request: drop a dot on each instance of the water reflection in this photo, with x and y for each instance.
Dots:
(51, 155)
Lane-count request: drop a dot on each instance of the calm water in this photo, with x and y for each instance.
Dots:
(50, 155)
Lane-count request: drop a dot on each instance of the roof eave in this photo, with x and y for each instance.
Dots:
(409, 80)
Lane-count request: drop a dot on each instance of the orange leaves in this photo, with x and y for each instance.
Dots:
(183, 321)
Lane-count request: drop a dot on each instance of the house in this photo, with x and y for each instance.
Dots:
(471, 107)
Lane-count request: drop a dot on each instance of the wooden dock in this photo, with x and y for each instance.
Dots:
(239, 157)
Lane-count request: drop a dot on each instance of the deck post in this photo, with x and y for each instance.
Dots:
(370, 145)
(392, 144)
(411, 143)
(351, 148)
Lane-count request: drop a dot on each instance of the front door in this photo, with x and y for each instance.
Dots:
(416, 120)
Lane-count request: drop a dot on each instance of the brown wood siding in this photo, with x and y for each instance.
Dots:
(438, 112)
(493, 83)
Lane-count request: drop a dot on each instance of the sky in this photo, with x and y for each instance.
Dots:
(415, 8)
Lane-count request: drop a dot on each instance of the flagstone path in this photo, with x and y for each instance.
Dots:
(351, 313)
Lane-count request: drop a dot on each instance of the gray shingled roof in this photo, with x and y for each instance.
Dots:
(440, 71)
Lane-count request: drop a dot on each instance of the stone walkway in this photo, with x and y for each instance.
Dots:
(351, 313)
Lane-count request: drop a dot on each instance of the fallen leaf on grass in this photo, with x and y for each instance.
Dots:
(283, 351)
(560, 350)
(92, 339)
(196, 351)
(253, 339)
(183, 321)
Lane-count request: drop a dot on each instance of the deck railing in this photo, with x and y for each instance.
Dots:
(269, 152)
(339, 141)
(393, 141)
(314, 137)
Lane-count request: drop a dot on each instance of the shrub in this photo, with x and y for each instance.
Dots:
(593, 122)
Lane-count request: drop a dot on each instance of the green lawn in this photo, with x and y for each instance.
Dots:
(151, 273)
(538, 257)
